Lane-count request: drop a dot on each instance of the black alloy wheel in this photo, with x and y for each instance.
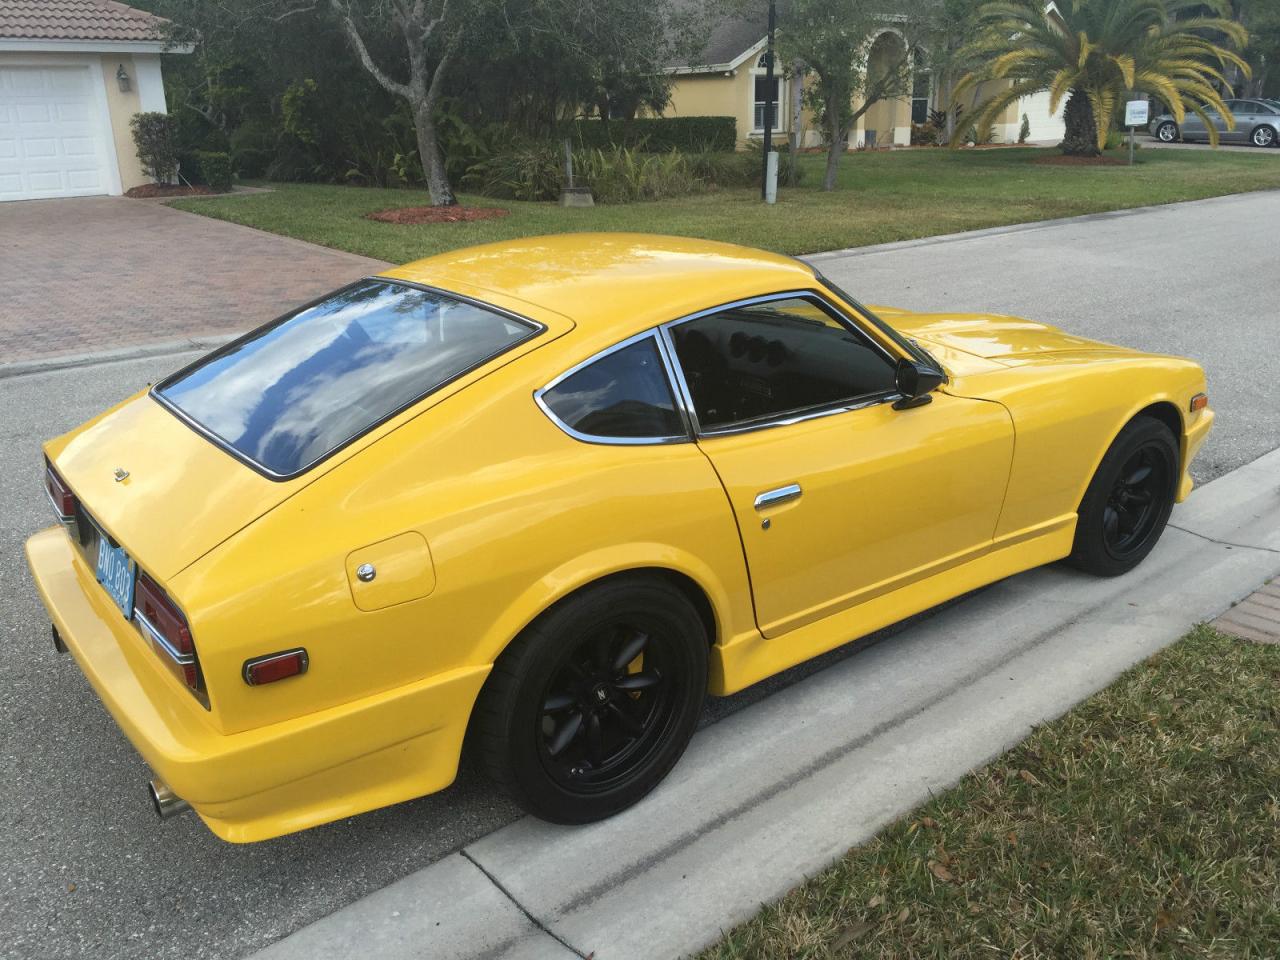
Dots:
(608, 706)
(1128, 501)
(589, 708)
(1137, 498)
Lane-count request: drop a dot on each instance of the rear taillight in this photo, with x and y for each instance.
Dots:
(167, 629)
(60, 495)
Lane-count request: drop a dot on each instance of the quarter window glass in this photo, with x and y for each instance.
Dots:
(624, 394)
(764, 360)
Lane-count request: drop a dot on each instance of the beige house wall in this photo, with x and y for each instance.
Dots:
(121, 107)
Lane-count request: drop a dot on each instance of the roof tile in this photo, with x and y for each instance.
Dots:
(76, 20)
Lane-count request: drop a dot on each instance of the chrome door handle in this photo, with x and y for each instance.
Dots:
(780, 495)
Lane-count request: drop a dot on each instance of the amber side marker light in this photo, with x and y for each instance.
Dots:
(275, 666)
(1199, 402)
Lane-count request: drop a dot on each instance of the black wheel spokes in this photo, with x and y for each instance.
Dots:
(1133, 505)
(598, 716)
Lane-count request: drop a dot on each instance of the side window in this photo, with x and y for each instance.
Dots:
(763, 360)
(624, 395)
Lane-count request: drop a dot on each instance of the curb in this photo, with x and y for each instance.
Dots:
(777, 791)
(23, 368)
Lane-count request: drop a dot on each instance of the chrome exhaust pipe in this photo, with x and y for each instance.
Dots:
(166, 803)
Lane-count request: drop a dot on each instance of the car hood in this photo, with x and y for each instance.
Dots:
(182, 495)
(995, 338)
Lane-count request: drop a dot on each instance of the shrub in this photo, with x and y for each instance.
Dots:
(526, 171)
(253, 146)
(616, 174)
(1024, 131)
(924, 134)
(153, 136)
(215, 168)
(655, 134)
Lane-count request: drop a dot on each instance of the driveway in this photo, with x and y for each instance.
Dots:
(88, 871)
(98, 273)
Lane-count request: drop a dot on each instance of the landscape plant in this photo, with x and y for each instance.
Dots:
(1097, 53)
(157, 150)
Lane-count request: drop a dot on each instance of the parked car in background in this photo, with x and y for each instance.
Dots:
(1256, 122)
(546, 495)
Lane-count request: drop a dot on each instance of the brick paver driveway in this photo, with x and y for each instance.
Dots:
(99, 273)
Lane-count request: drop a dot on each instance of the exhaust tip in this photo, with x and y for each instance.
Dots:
(164, 801)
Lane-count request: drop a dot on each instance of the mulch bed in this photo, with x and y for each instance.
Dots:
(1065, 161)
(149, 190)
(454, 214)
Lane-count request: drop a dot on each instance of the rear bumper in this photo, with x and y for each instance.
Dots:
(269, 781)
(1192, 440)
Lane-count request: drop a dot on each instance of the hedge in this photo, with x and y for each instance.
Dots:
(215, 168)
(656, 134)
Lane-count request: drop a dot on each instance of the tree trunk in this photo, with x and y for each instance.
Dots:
(1081, 139)
(797, 107)
(838, 145)
(432, 160)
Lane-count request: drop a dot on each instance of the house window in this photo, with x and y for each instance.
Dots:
(761, 95)
(920, 83)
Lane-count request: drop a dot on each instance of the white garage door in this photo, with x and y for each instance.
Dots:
(52, 134)
(1044, 125)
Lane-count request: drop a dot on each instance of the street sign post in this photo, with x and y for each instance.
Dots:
(1136, 114)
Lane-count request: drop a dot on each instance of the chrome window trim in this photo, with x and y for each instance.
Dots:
(789, 417)
(539, 397)
(536, 329)
(177, 656)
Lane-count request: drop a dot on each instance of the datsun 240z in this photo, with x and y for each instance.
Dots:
(546, 495)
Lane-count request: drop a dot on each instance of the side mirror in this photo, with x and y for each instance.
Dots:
(915, 381)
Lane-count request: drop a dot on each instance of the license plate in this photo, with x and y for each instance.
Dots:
(115, 571)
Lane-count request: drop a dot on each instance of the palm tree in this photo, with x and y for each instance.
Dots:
(1099, 51)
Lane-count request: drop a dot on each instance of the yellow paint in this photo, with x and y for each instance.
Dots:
(479, 513)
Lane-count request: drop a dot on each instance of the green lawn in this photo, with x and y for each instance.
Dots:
(882, 196)
(1145, 823)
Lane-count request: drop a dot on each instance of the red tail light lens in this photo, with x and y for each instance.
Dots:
(64, 501)
(275, 666)
(167, 629)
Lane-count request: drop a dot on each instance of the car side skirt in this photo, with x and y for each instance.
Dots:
(747, 660)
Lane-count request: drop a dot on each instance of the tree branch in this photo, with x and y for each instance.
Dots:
(357, 41)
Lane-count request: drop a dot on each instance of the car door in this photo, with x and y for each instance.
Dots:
(1242, 116)
(838, 496)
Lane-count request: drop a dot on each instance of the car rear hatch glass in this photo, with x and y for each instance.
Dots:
(298, 390)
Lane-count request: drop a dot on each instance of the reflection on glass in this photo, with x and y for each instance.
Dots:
(303, 387)
(624, 394)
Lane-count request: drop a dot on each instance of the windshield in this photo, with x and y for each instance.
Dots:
(301, 388)
(913, 347)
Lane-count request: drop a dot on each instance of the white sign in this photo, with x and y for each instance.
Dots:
(1136, 113)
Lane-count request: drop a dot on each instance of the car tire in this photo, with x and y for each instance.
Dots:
(1263, 136)
(590, 707)
(1128, 502)
(1167, 132)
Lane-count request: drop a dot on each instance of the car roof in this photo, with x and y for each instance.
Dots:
(612, 282)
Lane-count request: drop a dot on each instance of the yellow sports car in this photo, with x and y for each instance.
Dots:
(547, 495)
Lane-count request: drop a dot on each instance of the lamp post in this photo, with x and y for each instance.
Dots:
(768, 103)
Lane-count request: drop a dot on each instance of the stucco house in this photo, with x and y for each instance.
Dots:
(72, 74)
(728, 78)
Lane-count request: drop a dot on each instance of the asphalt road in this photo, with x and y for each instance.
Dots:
(86, 870)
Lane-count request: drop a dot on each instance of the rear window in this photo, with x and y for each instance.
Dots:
(303, 387)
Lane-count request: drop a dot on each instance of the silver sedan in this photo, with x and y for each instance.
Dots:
(1257, 122)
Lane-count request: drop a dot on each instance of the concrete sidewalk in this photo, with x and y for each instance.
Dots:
(776, 792)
